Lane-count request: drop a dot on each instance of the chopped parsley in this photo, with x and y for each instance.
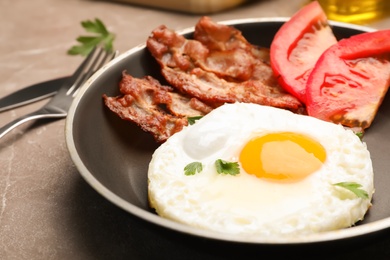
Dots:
(224, 167)
(353, 187)
(192, 119)
(360, 135)
(193, 168)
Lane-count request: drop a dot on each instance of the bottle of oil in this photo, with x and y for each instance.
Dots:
(355, 11)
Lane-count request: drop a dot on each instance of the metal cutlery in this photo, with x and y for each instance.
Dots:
(58, 106)
(31, 94)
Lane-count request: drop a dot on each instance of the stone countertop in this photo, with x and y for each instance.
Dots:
(47, 211)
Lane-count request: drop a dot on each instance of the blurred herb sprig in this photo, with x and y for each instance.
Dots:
(100, 36)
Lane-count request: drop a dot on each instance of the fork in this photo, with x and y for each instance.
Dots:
(59, 105)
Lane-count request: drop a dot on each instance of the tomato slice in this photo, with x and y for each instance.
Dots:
(350, 80)
(297, 46)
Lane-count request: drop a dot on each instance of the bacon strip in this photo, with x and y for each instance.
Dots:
(153, 107)
(232, 56)
(224, 69)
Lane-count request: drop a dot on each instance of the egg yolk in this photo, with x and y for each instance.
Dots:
(284, 156)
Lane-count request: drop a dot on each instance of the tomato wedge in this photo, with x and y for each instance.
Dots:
(297, 46)
(350, 80)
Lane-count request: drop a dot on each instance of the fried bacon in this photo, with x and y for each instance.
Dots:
(230, 55)
(217, 67)
(154, 107)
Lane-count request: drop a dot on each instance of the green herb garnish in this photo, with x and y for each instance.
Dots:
(193, 168)
(353, 187)
(224, 167)
(360, 135)
(192, 119)
(101, 36)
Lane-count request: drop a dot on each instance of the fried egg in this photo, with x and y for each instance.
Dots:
(288, 167)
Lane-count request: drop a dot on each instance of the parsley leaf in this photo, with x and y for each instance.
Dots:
(353, 187)
(360, 135)
(224, 167)
(192, 168)
(192, 119)
(100, 36)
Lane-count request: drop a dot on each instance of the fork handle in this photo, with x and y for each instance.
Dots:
(39, 114)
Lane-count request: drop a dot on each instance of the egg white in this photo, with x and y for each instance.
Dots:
(244, 204)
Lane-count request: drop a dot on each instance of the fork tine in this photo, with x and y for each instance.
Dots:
(78, 73)
(93, 62)
(103, 60)
(83, 72)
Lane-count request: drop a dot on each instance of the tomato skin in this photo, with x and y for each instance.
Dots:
(350, 80)
(297, 46)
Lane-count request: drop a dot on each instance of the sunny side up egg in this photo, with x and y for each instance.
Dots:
(288, 166)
